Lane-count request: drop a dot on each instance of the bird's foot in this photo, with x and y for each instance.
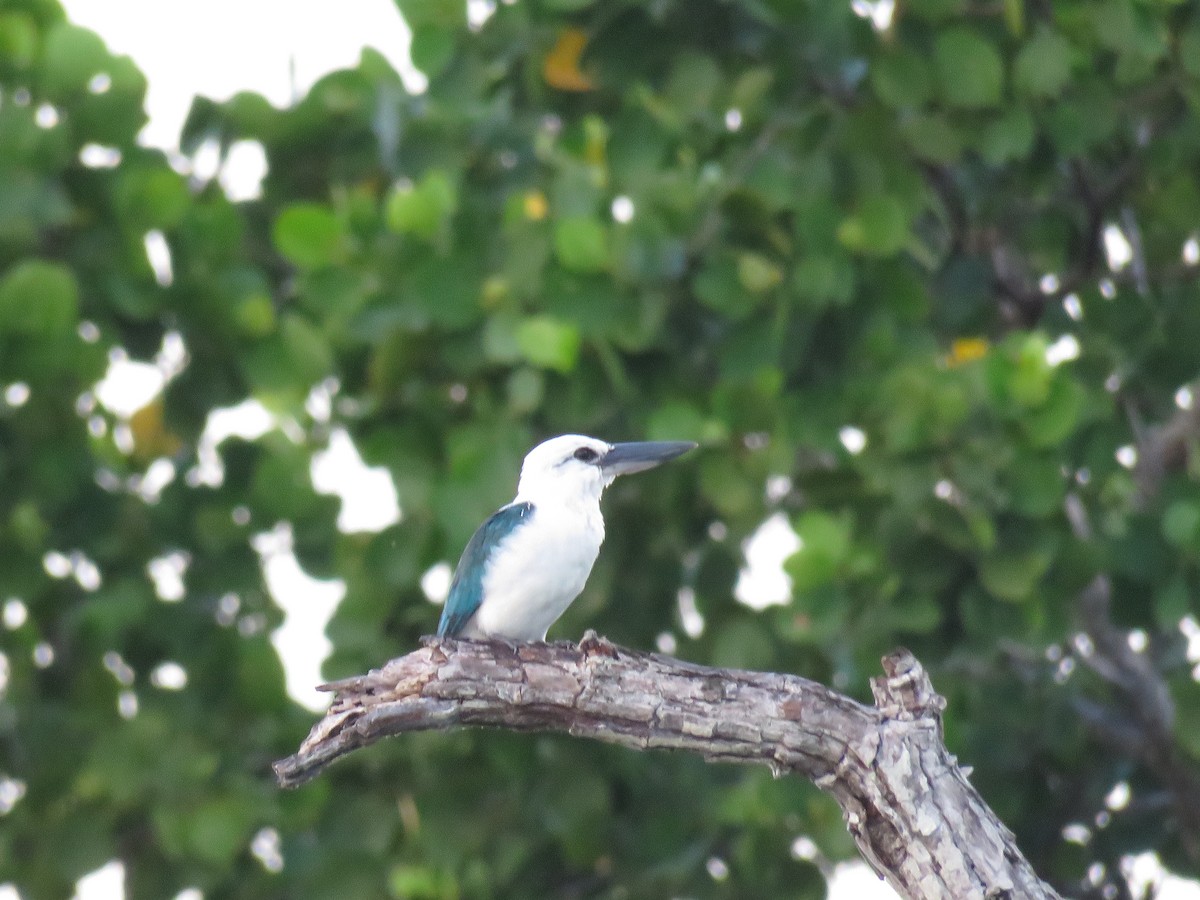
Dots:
(592, 644)
(498, 645)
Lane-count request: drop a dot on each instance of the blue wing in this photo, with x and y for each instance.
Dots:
(466, 590)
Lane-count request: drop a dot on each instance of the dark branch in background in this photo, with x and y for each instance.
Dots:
(1022, 301)
(1108, 653)
(1137, 264)
(915, 817)
(1143, 727)
(1166, 448)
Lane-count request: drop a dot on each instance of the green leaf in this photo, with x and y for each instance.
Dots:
(1030, 377)
(677, 421)
(1189, 51)
(1119, 25)
(252, 115)
(444, 289)
(826, 279)
(1058, 416)
(1014, 16)
(308, 349)
(113, 116)
(879, 228)
(1013, 575)
(254, 315)
(1036, 483)
(38, 298)
(420, 882)
(153, 198)
(935, 10)
(71, 56)
(581, 244)
(757, 273)
(718, 286)
(1185, 694)
(751, 89)
(218, 829)
(333, 296)
(526, 388)
(970, 70)
(309, 235)
(906, 614)
(901, 79)
(432, 48)
(728, 486)
(1043, 66)
(825, 547)
(1080, 120)
(446, 13)
(1181, 523)
(500, 344)
(284, 366)
(423, 209)
(693, 83)
(29, 203)
(1008, 137)
(1172, 603)
(744, 644)
(549, 343)
(932, 138)
(18, 39)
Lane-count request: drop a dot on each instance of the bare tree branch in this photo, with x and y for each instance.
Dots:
(915, 817)
(1144, 726)
(1165, 448)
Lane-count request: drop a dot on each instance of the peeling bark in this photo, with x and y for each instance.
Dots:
(909, 806)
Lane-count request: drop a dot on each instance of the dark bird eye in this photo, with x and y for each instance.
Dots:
(586, 454)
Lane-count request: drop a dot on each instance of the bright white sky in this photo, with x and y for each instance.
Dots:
(278, 48)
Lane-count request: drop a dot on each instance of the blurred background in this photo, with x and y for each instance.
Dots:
(920, 276)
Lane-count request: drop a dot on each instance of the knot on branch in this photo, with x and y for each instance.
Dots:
(906, 693)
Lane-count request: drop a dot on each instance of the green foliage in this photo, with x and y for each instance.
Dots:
(38, 298)
(970, 70)
(581, 244)
(308, 235)
(829, 267)
(423, 209)
(1043, 67)
(549, 344)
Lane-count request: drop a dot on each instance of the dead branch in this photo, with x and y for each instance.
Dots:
(910, 808)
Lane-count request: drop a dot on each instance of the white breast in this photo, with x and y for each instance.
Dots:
(537, 572)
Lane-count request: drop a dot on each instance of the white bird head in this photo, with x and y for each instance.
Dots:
(574, 467)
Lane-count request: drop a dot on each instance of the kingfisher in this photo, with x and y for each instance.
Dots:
(525, 565)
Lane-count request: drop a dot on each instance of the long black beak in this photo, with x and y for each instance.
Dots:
(638, 456)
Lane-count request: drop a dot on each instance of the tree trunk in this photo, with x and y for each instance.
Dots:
(912, 812)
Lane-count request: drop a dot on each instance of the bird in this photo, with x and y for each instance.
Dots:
(531, 558)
